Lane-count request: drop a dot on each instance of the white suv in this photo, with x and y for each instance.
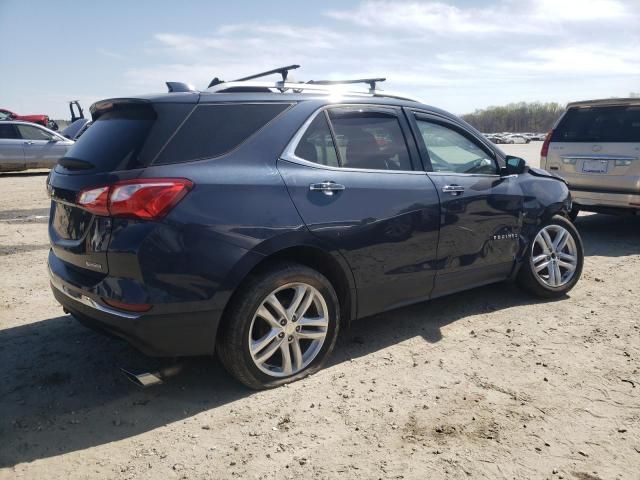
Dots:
(595, 147)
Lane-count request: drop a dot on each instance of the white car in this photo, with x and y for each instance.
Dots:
(25, 145)
(595, 147)
(516, 138)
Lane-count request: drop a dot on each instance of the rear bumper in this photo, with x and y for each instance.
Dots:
(586, 198)
(167, 334)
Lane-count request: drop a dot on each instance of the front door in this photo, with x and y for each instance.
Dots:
(351, 176)
(481, 211)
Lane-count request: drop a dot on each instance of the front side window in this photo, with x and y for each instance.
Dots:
(316, 145)
(27, 132)
(450, 151)
(369, 139)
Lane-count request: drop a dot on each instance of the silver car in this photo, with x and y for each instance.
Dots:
(25, 145)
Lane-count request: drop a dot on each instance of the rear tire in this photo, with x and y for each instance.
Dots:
(280, 327)
(554, 259)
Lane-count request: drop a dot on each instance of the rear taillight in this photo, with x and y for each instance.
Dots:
(545, 149)
(145, 199)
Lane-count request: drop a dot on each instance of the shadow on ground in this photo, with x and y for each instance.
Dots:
(609, 235)
(61, 389)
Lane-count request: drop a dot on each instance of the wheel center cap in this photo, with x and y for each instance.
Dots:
(290, 328)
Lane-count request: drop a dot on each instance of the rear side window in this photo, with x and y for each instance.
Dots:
(317, 145)
(8, 131)
(599, 124)
(369, 139)
(213, 130)
(115, 139)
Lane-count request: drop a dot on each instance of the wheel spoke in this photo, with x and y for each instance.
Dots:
(561, 240)
(542, 266)
(304, 305)
(539, 258)
(286, 358)
(297, 354)
(298, 297)
(266, 315)
(540, 241)
(547, 240)
(552, 275)
(258, 345)
(268, 352)
(569, 266)
(313, 322)
(567, 257)
(311, 335)
(274, 303)
(558, 273)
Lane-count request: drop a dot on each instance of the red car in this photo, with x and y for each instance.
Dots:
(43, 120)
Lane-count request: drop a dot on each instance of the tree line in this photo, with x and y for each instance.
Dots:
(536, 117)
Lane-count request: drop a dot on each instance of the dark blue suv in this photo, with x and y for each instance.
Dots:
(256, 219)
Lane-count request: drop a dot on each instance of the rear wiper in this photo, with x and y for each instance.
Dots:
(75, 164)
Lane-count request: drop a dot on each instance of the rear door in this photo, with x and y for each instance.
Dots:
(481, 211)
(597, 149)
(11, 148)
(350, 172)
(41, 149)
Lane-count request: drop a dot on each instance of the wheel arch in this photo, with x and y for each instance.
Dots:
(329, 264)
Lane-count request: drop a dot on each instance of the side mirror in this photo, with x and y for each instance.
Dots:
(515, 166)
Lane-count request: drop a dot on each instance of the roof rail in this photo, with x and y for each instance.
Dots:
(284, 71)
(370, 81)
(295, 87)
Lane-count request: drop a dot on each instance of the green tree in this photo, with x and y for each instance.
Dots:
(516, 117)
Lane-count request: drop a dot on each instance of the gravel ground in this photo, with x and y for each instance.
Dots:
(489, 383)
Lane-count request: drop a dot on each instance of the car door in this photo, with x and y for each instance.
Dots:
(350, 172)
(41, 148)
(481, 210)
(11, 148)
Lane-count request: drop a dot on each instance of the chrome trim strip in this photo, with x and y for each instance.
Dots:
(597, 157)
(89, 302)
(289, 152)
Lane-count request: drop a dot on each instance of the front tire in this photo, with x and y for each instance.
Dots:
(554, 259)
(280, 327)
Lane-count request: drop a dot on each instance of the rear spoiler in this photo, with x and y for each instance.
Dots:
(104, 106)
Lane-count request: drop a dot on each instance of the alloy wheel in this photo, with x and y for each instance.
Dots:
(554, 256)
(288, 330)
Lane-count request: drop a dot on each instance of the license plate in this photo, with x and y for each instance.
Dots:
(595, 166)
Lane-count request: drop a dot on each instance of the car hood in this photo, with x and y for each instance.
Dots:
(538, 172)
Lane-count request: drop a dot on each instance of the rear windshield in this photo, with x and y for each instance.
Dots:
(114, 140)
(599, 124)
(213, 130)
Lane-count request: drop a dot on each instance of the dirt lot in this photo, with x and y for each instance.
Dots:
(485, 384)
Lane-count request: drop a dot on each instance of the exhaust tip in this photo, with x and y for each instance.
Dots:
(142, 380)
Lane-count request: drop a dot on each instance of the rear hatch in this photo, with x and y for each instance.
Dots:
(597, 148)
(124, 138)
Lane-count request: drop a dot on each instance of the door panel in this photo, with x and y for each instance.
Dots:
(479, 230)
(481, 211)
(384, 224)
(353, 185)
(11, 154)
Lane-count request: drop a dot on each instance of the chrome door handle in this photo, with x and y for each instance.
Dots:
(328, 188)
(453, 189)
(28, 143)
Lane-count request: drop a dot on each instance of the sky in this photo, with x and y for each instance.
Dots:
(457, 55)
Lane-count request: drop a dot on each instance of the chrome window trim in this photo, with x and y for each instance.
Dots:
(289, 152)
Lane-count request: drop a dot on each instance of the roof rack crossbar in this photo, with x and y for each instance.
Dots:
(370, 81)
(284, 71)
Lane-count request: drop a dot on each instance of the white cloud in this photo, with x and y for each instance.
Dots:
(460, 57)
